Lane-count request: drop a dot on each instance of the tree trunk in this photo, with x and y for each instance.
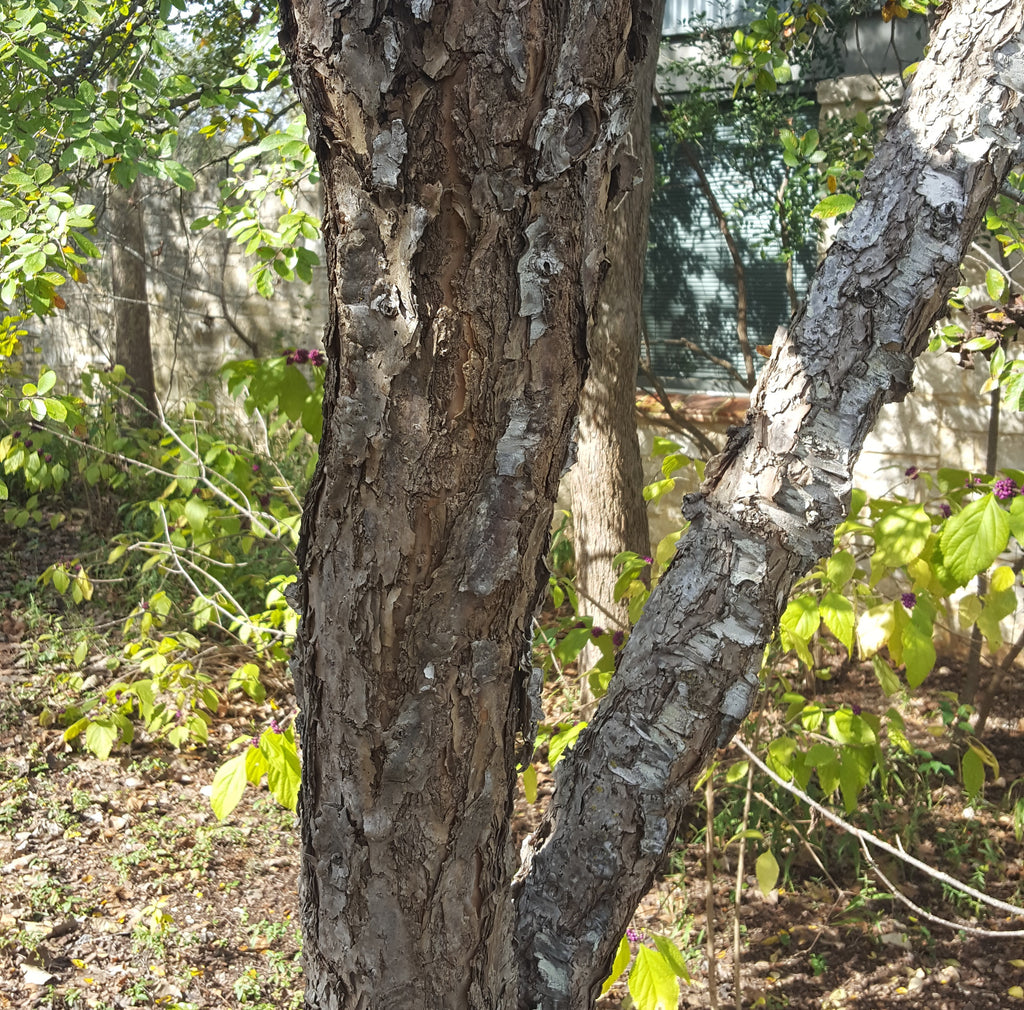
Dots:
(466, 152)
(770, 503)
(609, 514)
(131, 300)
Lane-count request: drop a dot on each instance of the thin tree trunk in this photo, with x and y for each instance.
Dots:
(466, 153)
(608, 511)
(132, 347)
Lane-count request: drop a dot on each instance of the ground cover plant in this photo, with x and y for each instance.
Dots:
(183, 890)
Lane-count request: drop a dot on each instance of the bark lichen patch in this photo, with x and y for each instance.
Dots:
(538, 264)
(389, 150)
(517, 443)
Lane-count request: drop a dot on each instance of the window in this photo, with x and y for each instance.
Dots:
(716, 14)
(690, 288)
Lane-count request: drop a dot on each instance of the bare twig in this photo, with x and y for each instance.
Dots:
(709, 892)
(737, 262)
(898, 852)
(930, 916)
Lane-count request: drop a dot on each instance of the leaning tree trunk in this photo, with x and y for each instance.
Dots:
(465, 157)
(609, 514)
(770, 503)
(128, 284)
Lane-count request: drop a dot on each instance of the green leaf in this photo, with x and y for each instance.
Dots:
(673, 956)
(837, 613)
(852, 777)
(55, 409)
(972, 768)
(995, 284)
(974, 537)
(100, 737)
(885, 675)
(834, 206)
(195, 512)
(255, 765)
(1016, 517)
(839, 568)
(918, 648)
(179, 175)
(652, 982)
(900, 535)
(228, 786)
(622, 956)
(798, 625)
(736, 771)
(767, 870)
(846, 728)
(61, 580)
(283, 770)
(563, 740)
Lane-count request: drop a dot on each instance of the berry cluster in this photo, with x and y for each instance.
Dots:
(1005, 488)
(300, 356)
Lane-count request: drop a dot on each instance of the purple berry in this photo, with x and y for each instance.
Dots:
(909, 600)
(1002, 489)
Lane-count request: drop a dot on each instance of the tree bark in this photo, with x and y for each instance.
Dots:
(466, 152)
(132, 347)
(770, 503)
(609, 514)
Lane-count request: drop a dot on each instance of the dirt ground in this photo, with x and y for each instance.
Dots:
(119, 887)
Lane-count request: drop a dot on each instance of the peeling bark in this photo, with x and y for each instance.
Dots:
(466, 151)
(770, 503)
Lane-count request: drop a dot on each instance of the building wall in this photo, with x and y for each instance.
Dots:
(202, 309)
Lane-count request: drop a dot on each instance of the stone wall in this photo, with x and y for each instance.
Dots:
(202, 309)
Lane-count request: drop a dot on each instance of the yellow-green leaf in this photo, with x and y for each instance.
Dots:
(622, 956)
(767, 870)
(652, 982)
(530, 783)
(228, 786)
(974, 537)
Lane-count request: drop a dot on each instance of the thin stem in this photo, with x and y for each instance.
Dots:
(709, 892)
(893, 850)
